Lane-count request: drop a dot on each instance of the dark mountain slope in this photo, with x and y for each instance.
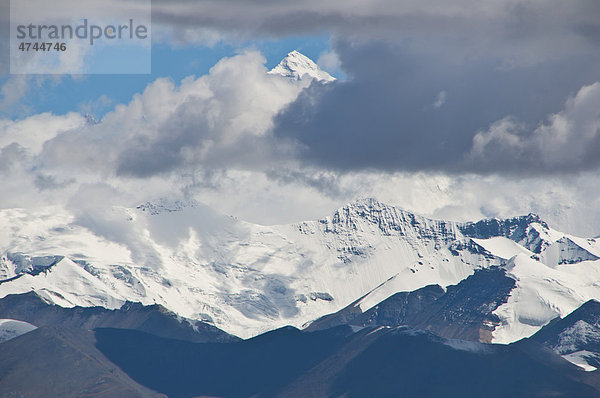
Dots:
(464, 311)
(382, 362)
(154, 319)
(262, 365)
(403, 363)
(53, 362)
(577, 332)
(393, 311)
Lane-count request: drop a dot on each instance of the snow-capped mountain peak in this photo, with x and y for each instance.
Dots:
(249, 278)
(298, 66)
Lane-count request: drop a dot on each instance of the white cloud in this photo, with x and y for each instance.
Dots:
(568, 141)
(217, 120)
(440, 99)
(13, 90)
(94, 107)
(567, 203)
(32, 132)
(203, 125)
(330, 62)
(215, 131)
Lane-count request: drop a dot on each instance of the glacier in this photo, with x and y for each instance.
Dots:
(247, 278)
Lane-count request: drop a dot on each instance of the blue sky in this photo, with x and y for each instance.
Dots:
(83, 93)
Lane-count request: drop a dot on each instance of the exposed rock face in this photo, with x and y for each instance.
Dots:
(247, 279)
(464, 311)
(394, 311)
(576, 336)
(518, 229)
(565, 251)
(15, 265)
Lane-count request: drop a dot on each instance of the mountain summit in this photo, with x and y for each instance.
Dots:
(298, 66)
(246, 278)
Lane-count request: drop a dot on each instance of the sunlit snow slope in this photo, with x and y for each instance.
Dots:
(248, 278)
(298, 66)
(10, 328)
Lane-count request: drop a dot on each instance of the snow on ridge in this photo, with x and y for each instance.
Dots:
(297, 66)
(251, 278)
(247, 278)
(542, 293)
(579, 334)
(548, 285)
(582, 358)
(389, 220)
(502, 247)
(10, 329)
(164, 205)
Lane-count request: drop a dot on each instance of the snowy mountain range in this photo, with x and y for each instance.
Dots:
(170, 298)
(358, 283)
(247, 279)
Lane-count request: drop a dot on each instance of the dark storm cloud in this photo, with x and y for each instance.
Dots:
(388, 115)
(430, 81)
(526, 29)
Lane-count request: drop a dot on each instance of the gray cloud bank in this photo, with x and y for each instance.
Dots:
(494, 26)
(528, 119)
(521, 66)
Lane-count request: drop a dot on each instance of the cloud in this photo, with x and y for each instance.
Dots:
(329, 61)
(567, 203)
(218, 139)
(95, 107)
(219, 120)
(518, 31)
(170, 138)
(382, 117)
(10, 155)
(222, 124)
(4, 34)
(425, 77)
(12, 91)
(440, 99)
(21, 142)
(34, 131)
(568, 141)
